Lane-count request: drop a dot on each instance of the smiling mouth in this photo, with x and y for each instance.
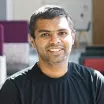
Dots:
(54, 50)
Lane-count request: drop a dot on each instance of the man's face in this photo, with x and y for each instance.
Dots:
(53, 39)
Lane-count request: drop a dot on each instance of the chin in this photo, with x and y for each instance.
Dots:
(60, 61)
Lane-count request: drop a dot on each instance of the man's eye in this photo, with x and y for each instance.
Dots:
(62, 33)
(45, 35)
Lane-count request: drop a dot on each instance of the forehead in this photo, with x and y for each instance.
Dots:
(55, 23)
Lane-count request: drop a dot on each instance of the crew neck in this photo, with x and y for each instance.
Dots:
(41, 77)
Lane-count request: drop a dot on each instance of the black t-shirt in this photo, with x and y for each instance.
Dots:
(80, 85)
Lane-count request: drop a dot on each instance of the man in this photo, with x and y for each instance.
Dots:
(53, 80)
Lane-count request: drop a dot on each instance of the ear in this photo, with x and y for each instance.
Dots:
(32, 41)
(73, 38)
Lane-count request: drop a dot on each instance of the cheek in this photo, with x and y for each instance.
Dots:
(40, 45)
(69, 40)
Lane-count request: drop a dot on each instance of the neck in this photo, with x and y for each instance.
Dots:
(53, 70)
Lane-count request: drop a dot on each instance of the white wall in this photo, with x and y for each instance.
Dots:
(9, 9)
(23, 9)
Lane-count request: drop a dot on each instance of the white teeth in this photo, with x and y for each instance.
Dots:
(54, 50)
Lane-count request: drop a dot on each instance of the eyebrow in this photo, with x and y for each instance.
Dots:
(43, 30)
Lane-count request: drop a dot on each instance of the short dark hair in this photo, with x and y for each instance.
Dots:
(48, 12)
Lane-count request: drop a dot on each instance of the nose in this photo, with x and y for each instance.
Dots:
(54, 39)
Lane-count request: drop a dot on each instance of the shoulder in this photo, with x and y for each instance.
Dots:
(92, 78)
(21, 74)
(19, 78)
(86, 72)
(15, 84)
(80, 68)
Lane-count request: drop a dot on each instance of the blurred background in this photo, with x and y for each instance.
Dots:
(16, 52)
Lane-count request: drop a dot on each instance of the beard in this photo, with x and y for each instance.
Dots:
(54, 57)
